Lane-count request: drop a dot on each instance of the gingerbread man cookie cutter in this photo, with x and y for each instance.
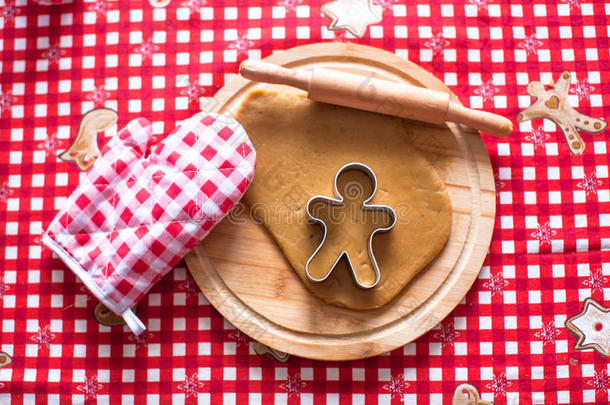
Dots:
(338, 201)
(553, 104)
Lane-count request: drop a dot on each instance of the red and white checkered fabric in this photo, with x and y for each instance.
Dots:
(52, 2)
(135, 215)
(550, 249)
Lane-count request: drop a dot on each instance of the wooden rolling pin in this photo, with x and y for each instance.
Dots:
(372, 94)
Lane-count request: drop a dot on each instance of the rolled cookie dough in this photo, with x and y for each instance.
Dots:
(300, 146)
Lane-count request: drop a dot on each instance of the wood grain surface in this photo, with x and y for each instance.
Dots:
(245, 276)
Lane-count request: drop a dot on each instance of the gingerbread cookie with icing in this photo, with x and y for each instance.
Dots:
(467, 394)
(5, 359)
(84, 149)
(591, 327)
(553, 104)
(263, 350)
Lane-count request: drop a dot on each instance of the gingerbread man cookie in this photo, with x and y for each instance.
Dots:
(263, 350)
(84, 150)
(553, 104)
(350, 223)
(159, 3)
(5, 359)
(467, 394)
(106, 317)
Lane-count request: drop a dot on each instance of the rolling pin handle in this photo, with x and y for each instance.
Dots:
(260, 71)
(368, 93)
(484, 121)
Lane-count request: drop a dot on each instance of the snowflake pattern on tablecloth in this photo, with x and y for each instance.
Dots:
(194, 6)
(191, 385)
(496, 284)
(596, 279)
(397, 386)
(289, 4)
(8, 12)
(53, 54)
(589, 183)
(572, 3)
(548, 333)
(78, 321)
(340, 36)
(530, 44)
(5, 192)
(189, 286)
(241, 44)
(146, 49)
(499, 384)
(84, 290)
(239, 337)
(599, 381)
(6, 101)
(49, 145)
(537, 137)
(43, 337)
(386, 5)
(293, 385)
(499, 183)
(447, 334)
(3, 287)
(544, 233)
(582, 89)
(437, 43)
(193, 91)
(142, 339)
(99, 96)
(90, 387)
(481, 4)
(100, 7)
(487, 91)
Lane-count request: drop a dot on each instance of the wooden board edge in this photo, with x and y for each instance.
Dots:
(342, 347)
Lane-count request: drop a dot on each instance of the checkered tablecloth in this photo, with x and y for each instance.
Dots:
(550, 250)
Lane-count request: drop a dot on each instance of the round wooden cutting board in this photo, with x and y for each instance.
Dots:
(245, 276)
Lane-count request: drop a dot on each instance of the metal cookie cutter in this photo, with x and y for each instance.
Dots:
(365, 206)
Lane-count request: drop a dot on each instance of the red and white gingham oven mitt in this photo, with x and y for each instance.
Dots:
(133, 217)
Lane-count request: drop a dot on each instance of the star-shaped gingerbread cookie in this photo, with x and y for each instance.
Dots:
(352, 15)
(591, 327)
